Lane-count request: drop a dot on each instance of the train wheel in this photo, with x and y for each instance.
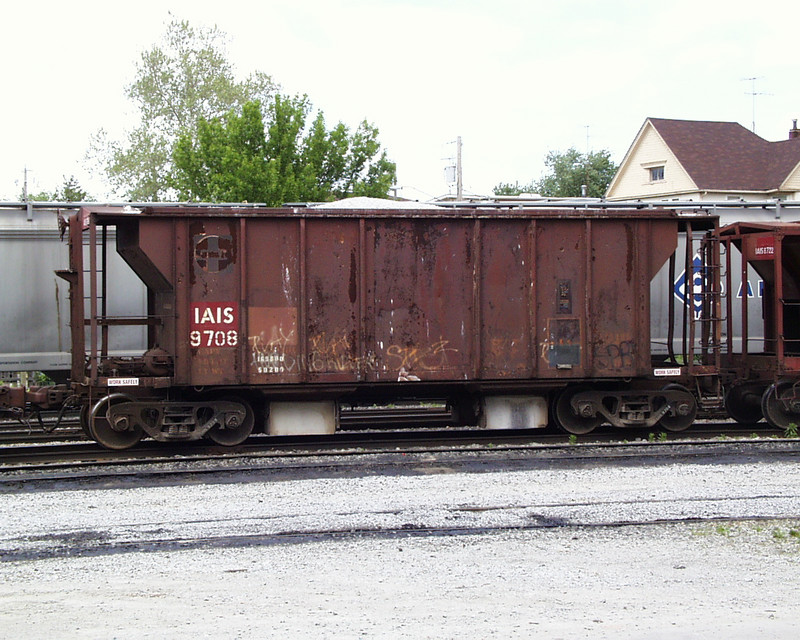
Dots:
(567, 419)
(685, 410)
(774, 405)
(743, 403)
(119, 435)
(233, 431)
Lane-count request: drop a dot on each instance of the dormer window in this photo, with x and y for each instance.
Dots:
(656, 173)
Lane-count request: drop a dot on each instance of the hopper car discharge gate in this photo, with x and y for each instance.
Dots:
(270, 319)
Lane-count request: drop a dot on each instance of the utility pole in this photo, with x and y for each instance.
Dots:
(459, 180)
(585, 185)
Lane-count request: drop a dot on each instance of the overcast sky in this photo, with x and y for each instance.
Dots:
(513, 79)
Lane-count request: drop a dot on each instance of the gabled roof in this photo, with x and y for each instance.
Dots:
(726, 156)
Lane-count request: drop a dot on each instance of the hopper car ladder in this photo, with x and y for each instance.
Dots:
(96, 318)
(699, 318)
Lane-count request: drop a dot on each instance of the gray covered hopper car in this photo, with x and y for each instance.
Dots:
(34, 305)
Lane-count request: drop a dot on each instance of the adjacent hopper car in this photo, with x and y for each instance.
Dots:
(763, 375)
(34, 327)
(272, 319)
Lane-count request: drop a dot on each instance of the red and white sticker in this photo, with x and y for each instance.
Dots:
(214, 324)
(765, 247)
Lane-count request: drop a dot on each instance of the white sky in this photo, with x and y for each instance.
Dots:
(514, 79)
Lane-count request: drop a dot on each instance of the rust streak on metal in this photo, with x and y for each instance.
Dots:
(243, 284)
(531, 253)
(587, 341)
(477, 317)
(302, 322)
(362, 299)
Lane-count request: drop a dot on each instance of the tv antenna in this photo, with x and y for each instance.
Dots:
(754, 93)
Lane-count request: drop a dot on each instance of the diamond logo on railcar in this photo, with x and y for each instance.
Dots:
(213, 253)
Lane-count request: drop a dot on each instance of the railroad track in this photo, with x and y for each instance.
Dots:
(380, 448)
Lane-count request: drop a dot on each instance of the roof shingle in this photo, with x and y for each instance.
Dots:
(726, 156)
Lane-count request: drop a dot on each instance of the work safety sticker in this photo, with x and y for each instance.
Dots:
(123, 382)
(676, 371)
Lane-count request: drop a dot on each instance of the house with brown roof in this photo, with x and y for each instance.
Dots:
(692, 160)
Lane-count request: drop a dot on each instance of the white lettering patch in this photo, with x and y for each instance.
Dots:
(123, 382)
(667, 372)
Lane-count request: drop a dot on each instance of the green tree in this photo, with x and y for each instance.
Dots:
(184, 80)
(566, 173)
(224, 160)
(278, 157)
(69, 191)
(571, 169)
(41, 196)
(508, 189)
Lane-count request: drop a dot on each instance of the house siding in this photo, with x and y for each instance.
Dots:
(633, 180)
(792, 183)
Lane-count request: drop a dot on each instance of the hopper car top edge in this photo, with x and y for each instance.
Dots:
(687, 205)
(702, 221)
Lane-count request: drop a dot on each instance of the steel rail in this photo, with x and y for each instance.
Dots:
(86, 460)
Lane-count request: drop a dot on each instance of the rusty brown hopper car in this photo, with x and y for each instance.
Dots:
(762, 372)
(268, 319)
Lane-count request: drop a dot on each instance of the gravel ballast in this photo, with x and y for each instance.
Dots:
(653, 551)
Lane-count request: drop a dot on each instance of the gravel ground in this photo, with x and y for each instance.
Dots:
(655, 551)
